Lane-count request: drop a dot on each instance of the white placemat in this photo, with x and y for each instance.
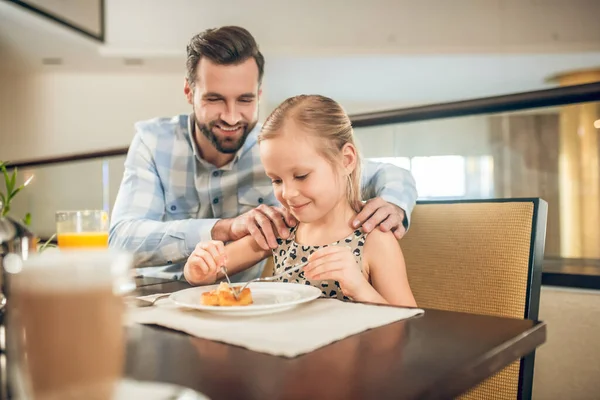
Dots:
(289, 333)
(129, 389)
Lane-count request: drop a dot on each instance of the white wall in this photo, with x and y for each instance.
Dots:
(52, 114)
(342, 27)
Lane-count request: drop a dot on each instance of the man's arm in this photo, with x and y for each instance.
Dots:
(392, 184)
(137, 219)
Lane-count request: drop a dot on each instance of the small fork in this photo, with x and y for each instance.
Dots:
(224, 271)
(146, 302)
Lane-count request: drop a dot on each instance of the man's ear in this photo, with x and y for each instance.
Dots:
(349, 157)
(188, 91)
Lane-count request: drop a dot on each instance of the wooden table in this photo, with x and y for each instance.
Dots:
(437, 356)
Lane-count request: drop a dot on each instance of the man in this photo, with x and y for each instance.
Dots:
(195, 178)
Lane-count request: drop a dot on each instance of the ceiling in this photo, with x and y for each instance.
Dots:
(384, 61)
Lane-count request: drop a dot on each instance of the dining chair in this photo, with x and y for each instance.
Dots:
(482, 257)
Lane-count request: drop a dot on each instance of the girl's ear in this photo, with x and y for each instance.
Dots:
(349, 157)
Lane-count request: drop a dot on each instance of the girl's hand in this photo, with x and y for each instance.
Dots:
(338, 264)
(203, 264)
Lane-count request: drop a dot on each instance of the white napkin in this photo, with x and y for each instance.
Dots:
(289, 333)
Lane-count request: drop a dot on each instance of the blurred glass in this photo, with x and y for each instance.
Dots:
(84, 228)
(65, 332)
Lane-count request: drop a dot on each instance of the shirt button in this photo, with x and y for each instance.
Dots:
(215, 200)
(216, 173)
(173, 208)
(260, 200)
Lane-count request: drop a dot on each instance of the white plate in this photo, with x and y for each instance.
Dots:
(268, 297)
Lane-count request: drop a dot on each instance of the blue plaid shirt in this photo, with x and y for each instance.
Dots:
(170, 198)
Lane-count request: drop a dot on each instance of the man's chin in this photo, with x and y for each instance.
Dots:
(229, 147)
(225, 139)
(226, 150)
(228, 144)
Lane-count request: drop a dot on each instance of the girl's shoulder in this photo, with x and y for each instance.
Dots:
(376, 235)
(378, 243)
(358, 235)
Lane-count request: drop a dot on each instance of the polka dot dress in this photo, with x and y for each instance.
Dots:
(289, 253)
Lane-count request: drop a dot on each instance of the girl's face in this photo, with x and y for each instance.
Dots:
(303, 180)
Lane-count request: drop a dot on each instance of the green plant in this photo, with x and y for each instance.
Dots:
(10, 183)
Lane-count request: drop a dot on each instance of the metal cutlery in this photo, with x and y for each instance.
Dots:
(139, 302)
(270, 278)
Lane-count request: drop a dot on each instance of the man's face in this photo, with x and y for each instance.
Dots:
(225, 102)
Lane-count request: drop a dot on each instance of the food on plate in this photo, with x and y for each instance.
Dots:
(223, 296)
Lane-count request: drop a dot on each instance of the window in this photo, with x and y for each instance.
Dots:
(439, 176)
(445, 177)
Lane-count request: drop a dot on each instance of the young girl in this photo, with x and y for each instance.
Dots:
(307, 148)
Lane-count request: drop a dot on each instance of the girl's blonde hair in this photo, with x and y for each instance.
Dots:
(324, 119)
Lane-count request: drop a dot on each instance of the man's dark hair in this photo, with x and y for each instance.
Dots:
(228, 45)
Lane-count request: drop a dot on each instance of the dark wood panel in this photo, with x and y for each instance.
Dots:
(572, 273)
(525, 151)
(488, 105)
(38, 162)
(100, 36)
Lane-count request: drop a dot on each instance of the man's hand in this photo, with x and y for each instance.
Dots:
(264, 224)
(378, 212)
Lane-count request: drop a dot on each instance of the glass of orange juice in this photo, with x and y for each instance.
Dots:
(81, 229)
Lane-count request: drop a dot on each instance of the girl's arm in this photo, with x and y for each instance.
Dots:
(384, 261)
(243, 254)
(202, 266)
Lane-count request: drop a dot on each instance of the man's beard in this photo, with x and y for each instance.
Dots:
(226, 145)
